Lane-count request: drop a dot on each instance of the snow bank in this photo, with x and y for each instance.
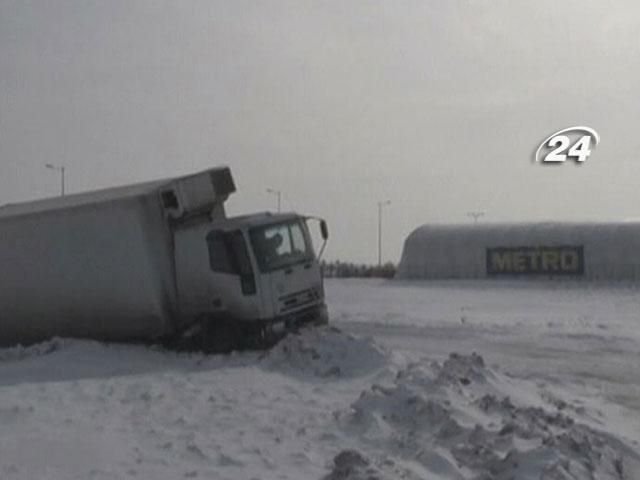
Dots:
(463, 420)
(325, 353)
(20, 352)
(162, 415)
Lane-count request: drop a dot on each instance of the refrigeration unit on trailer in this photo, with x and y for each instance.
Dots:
(158, 261)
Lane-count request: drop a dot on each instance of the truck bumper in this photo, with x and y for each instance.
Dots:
(314, 315)
(224, 334)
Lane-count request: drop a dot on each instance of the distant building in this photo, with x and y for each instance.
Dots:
(594, 251)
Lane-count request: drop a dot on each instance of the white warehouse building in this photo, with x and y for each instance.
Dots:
(594, 251)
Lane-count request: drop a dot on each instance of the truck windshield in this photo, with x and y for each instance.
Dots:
(280, 245)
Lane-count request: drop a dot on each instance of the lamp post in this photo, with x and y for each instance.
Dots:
(277, 193)
(380, 206)
(475, 216)
(61, 169)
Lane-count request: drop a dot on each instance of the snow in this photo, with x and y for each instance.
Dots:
(459, 417)
(325, 354)
(451, 380)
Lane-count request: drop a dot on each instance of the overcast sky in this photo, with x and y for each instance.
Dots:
(436, 106)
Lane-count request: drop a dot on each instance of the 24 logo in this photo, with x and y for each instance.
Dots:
(571, 140)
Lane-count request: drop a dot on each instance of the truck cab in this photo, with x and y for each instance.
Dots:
(252, 273)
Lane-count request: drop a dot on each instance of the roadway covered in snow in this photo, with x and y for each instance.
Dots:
(393, 389)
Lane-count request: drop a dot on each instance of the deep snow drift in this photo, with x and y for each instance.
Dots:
(322, 404)
(460, 419)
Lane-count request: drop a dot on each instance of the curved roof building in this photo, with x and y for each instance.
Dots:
(544, 250)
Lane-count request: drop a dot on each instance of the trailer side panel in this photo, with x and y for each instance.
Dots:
(102, 271)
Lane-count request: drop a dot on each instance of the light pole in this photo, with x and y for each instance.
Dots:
(475, 216)
(61, 169)
(277, 193)
(380, 206)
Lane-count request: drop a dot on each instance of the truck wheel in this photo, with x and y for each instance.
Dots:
(221, 337)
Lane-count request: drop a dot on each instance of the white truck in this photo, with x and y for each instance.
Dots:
(156, 262)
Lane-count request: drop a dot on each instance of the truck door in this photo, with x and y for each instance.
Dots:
(214, 274)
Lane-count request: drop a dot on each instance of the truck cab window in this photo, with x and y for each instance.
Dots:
(228, 254)
(279, 246)
(298, 242)
(242, 263)
(239, 253)
(219, 257)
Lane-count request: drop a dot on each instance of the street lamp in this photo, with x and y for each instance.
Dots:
(475, 216)
(380, 206)
(277, 193)
(61, 169)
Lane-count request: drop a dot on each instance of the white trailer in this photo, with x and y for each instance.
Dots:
(155, 262)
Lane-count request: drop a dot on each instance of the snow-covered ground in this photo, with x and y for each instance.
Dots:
(392, 389)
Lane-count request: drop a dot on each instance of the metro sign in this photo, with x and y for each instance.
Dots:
(542, 260)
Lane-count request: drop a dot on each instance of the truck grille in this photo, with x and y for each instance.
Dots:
(294, 300)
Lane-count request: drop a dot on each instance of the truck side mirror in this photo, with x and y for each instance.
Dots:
(324, 230)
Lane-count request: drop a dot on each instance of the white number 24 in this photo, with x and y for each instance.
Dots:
(579, 150)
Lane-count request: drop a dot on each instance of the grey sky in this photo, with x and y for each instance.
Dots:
(435, 105)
